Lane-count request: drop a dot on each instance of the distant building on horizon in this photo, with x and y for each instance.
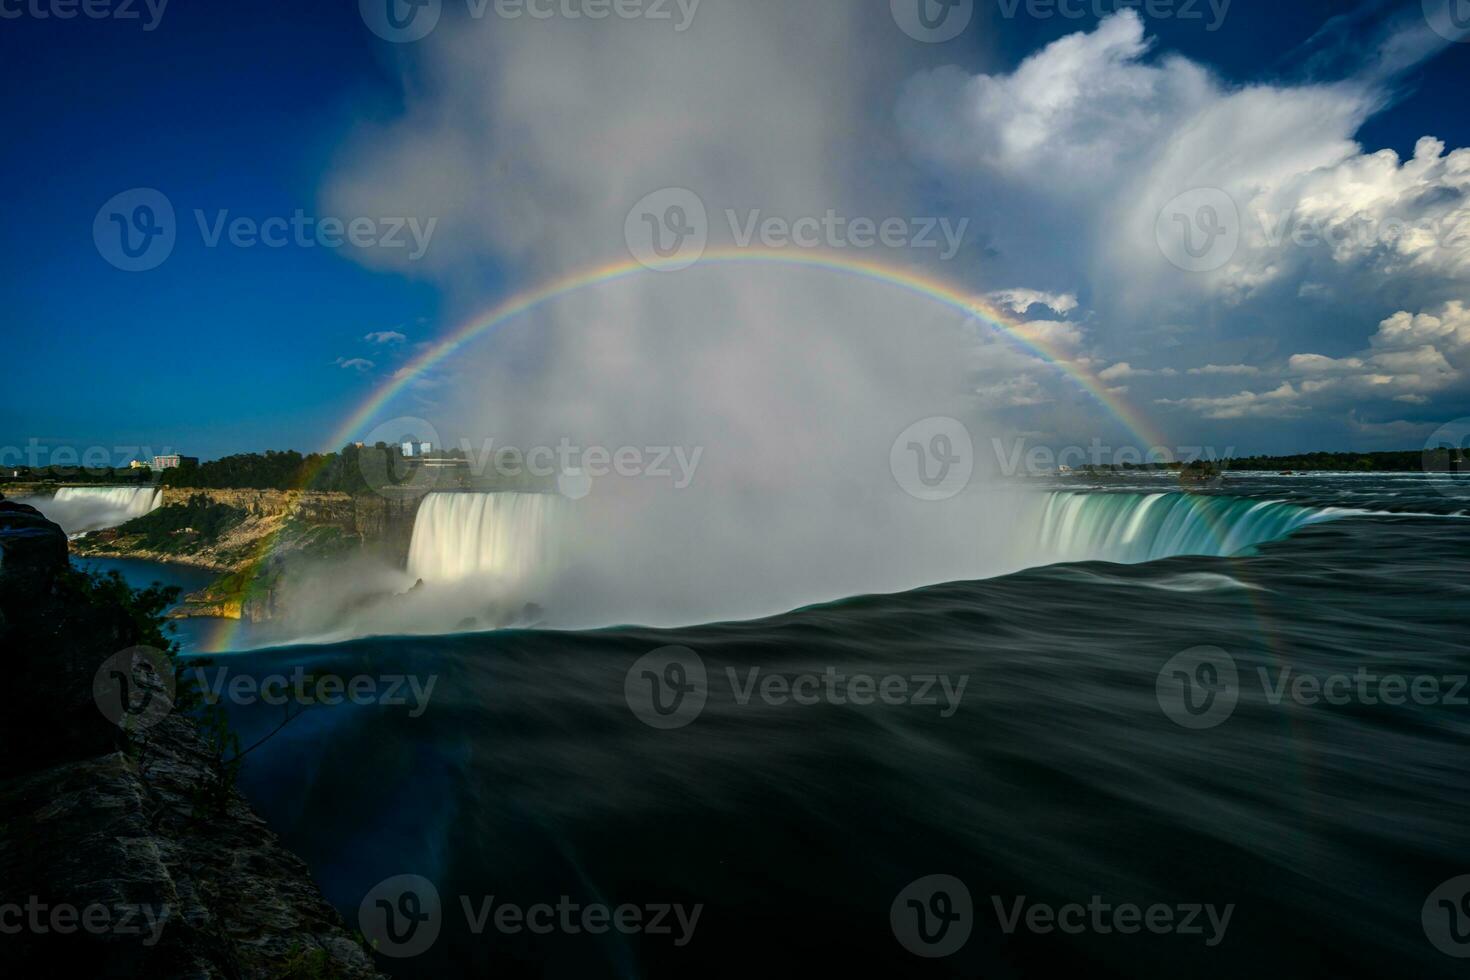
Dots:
(137, 464)
(419, 449)
(173, 461)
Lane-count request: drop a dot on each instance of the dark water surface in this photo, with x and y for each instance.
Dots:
(1060, 777)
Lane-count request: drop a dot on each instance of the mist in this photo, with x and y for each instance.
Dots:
(531, 143)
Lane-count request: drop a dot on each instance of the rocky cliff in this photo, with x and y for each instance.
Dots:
(105, 861)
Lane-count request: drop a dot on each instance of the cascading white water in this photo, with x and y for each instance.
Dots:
(510, 538)
(79, 509)
(1137, 527)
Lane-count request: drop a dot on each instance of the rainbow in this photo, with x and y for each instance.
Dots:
(933, 289)
(975, 306)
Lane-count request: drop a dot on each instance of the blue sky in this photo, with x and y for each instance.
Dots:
(300, 106)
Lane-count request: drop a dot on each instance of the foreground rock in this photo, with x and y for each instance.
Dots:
(109, 863)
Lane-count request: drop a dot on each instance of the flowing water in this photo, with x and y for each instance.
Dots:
(507, 537)
(1051, 759)
(79, 509)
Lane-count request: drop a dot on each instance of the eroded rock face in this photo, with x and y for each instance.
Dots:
(31, 547)
(170, 893)
(108, 860)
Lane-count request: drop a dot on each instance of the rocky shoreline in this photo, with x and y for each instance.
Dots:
(105, 855)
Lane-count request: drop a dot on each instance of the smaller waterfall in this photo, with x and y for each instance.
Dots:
(1133, 527)
(79, 509)
(509, 537)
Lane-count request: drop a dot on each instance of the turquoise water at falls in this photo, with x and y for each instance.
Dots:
(1136, 527)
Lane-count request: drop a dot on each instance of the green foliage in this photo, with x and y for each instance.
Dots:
(179, 527)
(211, 797)
(115, 475)
(145, 607)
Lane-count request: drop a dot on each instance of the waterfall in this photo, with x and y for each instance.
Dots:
(508, 537)
(1135, 527)
(79, 509)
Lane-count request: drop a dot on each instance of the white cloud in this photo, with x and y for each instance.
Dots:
(1021, 300)
(1125, 370)
(385, 337)
(1246, 404)
(1092, 136)
(358, 364)
(1225, 369)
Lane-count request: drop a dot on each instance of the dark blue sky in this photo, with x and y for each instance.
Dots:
(243, 108)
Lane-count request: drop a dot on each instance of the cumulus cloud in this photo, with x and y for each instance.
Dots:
(358, 364)
(1225, 369)
(1021, 300)
(1089, 141)
(1411, 357)
(385, 337)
